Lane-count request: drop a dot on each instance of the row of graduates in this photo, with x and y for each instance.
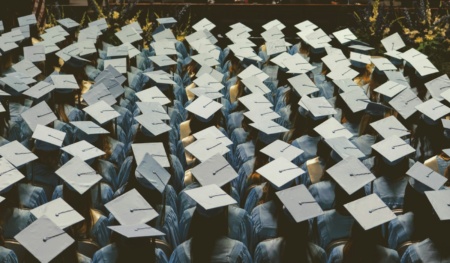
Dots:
(261, 216)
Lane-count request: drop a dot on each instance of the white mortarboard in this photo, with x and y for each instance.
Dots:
(390, 88)
(162, 60)
(101, 24)
(208, 70)
(424, 67)
(120, 64)
(370, 211)
(84, 150)
(136, 231)
(131, 209)
(136, 26)
(68, 23)
(153, 124)
(260, 115)
(6, 44)
(300, 203)
(79, 175)
(272, 34)
(153, 94)
(440, 202)
(390, 126)
(303, 85)
(446, 95)
(207, 80)
(393, 42)
(204, 107)
(213, 133)
(34, 53)
(395, 54)
(274, 23)
(14, 83)
(111, 84)
(53, 36)
(160, 77)
(319, 107)
(351, 174)
(151, 174)
(336, 60)
(206, 59)
(164, 47)
(2, 27)
(393, 148)
(296, 64)
(204, 149)
(27, 20)
(128, 35)
(344, 36)
(49, 135)
(207, 92)
(210, 197)
(397, 76)
(9, 175)
(44, 239)
(268, 127)
(39, 90)
(203, 24)
(356, 100)
(280, 148)
(58, 29)
(280, 172)
(167, 22)
(153, 108)
(89, 34)
(60, 212)
(237, 33)
(156, 150)
(405, 103)
(306, 25)
(15, 36)
(240, 25)
(64, 82)
(132, 51)
(317, 37)
(27, 67)
(253, 71)
(413, 54)
(331, 128)
(274, 47)
(22, 77)
(426, 176)
(110, 70)
(279, 59)
(344, 148)
(215, 170)
(342, 73)
(433, 109)
(101, 112)
(255, 85)
(437, 86)
(89, 127)
(255, 101)
(383, 64)
(360, 58)
(115, 52)
(17, 154)
(346, 85)
(39, 114)
(99, 93)
(166, 34)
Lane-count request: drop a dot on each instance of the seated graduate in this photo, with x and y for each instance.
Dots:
(6, 255)
(134, 239)
(293, 244)
(208, 232)
(435, 247)
(365, 243)
(441, 162)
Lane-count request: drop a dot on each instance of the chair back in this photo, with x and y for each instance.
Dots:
(164, 246)
(334, 244)
(87, 247)
(18, 249)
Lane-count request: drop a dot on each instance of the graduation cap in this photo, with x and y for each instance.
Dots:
(34, 53)
(405, 103)
(206, 80)
(117, 52)
(9, 175)
(345, 36)
(99, 93)
(346, 85)
(155, 150)
(120, 64)
(207, 92)
(303, 85)
(351, 174)
(59, 212)
(68, 23)
(151, 174)
(78, 175)
(84, 150)
(204, 108)
(342, 73)
(212, 72)
(27, 67)
(382, 64)
(359, 60)
(162, 60)
(280, 172)
(153, 94)
(342, 148)
(412, 54)
(255, 101)
(204, 149)
(390, 89)
(88, 130)
(356, 100)
(397, 76)
(306, 25)
(164, 47)
(131, 208)
(210, 199)
(153, 108)
(274, 23)
(64, 82)
(39, 114)
(299, 202)
(438, 86)
(49, 46)
(439, 201)
(44, 239)
(390, 126)
(255, 85)
(167, 22)
(331, 128)
(370, 211)
(39, 90)
(268, 127)
(215, 170)
(101, 112)
(319, 107)
(424, 178)
(153, 126)
(27, 20)
(17, 154)
(424, 67)
(213, 133)
(160, 77)
(261, 115)
(393, 42)
(393, 149)
(433, 110)
(48, 139)
(137, 231)
(272, 34)
(253, 71)
(128, 35)
(336, 61)
(203, 24)
(280, 148)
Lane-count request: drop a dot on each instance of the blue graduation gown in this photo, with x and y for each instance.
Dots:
(269, 252)
(109, 254)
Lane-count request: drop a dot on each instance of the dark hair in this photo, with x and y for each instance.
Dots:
(83, 205)
(362, 245)
(196, 125)
(205, 231)
(430, 136)
(418, 204)
(342, 198)
(381, 168)
(4, 119)
(11, 201)
(439, 231)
